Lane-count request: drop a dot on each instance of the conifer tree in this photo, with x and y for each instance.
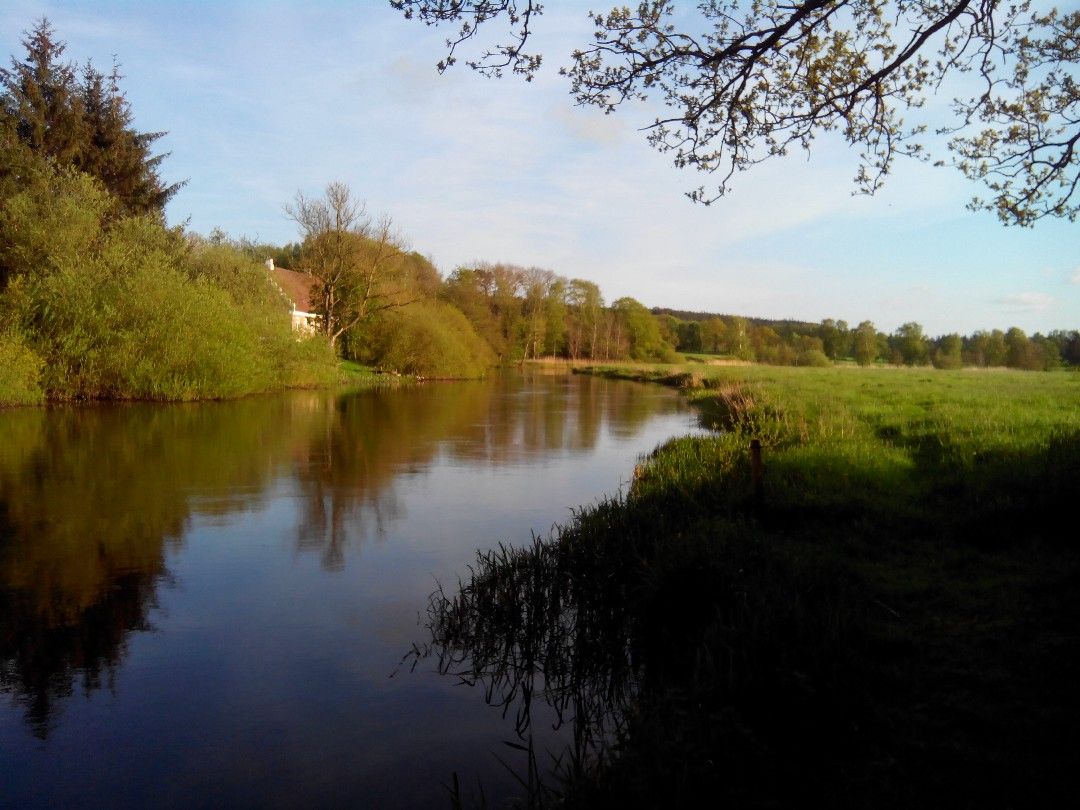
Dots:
(83, 122)
(41, 98)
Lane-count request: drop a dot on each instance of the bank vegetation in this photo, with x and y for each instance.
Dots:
(886, 618)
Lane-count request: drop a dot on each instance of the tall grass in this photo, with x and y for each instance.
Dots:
(890, 624)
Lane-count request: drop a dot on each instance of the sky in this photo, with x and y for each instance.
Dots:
(262, 100)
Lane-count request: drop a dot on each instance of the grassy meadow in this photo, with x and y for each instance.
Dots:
(890, 620)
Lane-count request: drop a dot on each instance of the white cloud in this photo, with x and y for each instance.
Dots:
(1074, 276)
(1026, 301)
(589, 126)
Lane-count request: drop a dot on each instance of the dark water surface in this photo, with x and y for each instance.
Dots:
(205, 603)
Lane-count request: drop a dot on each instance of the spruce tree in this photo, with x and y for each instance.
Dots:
(84, 123)
(41, 98)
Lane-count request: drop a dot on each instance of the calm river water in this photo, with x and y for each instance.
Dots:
(206, 604)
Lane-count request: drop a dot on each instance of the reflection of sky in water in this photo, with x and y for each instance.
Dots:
(265, 678)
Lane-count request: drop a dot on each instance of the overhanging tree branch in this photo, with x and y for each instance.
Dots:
(747, 81)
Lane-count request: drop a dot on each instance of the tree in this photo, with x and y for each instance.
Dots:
(87, 125)
(738, 339)
(555, 330)
(357, 263)
(713, 335)
(743, 81)
(642, 331)
(988, 348)
(535, 283)
(865, 343)
(1030, 354)
(835, 338)
(690, 333)
(910, 344)
(949, 352)
(586, 307)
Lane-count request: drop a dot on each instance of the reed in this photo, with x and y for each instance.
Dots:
(888, 621)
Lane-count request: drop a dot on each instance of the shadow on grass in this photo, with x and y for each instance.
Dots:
(906, 636)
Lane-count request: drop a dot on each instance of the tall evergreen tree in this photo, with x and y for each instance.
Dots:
(82, 122)
(41, 100)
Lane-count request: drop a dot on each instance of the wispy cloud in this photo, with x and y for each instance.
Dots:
(1074, 276)
(1026, 301)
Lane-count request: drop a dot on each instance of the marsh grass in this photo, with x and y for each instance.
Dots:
(893, 624)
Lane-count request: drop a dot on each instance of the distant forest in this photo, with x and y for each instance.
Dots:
(781, 342)
(522, 313)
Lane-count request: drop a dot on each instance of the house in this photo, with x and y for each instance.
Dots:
(299, 290)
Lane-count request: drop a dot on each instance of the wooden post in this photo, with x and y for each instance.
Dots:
(757, 469)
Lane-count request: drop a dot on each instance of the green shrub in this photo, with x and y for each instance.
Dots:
(53, 221)
(814, 357)
(20, 372)
(125, 308)
(433, 340)
(127, 324)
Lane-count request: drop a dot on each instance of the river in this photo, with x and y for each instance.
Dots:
(208, 604)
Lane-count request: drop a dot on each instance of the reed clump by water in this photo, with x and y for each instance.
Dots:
(888, 621)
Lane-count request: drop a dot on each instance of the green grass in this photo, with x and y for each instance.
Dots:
(356, 375)
(892, 622)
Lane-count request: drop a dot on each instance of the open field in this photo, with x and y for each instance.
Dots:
(889, 621)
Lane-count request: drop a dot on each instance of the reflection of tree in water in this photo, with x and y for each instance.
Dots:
(90, 500)
(361, 442)
(551, 414)
(42, 663)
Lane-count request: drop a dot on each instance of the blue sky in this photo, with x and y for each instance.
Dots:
(264, 99)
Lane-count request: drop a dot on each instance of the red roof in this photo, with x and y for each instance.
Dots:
(299, 287)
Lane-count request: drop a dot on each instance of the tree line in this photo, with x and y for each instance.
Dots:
(100, 298)
(800, 343)
(387, 306)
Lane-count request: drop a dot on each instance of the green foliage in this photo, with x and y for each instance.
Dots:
(909, 345)
(433, 340)
(127, 323)
(124, 308)
(51, 221)
(949, 352)
(813, 357)
(643, 332)
(229, 268)
(20, 372)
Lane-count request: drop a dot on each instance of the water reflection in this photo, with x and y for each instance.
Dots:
(90, 500)
(95, 501)
(544, 629)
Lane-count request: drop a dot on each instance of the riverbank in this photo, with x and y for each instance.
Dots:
(889, 620)
(18, 383)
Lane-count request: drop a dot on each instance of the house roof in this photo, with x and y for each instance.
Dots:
(298, 287)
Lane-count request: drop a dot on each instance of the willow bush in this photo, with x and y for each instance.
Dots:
(434, 340)
(20, 372)
(126, 308)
